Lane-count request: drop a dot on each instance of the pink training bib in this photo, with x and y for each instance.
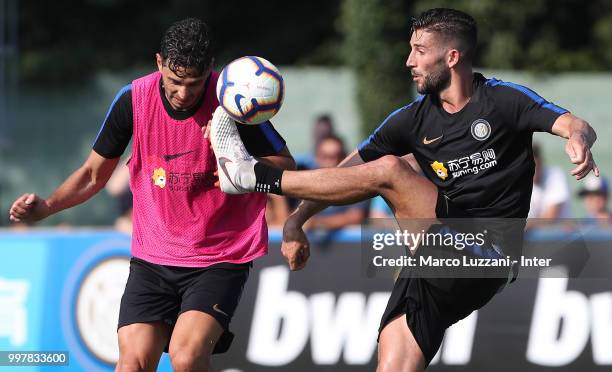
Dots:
(179, 217)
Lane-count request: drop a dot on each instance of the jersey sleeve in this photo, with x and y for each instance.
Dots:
(261, 140)
(390, 138)
(117, 127)
(530, 111)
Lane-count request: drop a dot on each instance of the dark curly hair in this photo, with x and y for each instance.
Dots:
(450, 24)
(186, 44)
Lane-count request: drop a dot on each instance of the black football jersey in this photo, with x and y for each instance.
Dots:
(480, 158)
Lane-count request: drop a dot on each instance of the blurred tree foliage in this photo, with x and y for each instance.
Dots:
(376, 46)
(64, 41)
(531, 35)
(539, 35)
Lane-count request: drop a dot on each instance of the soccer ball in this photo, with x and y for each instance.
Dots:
(250, 89)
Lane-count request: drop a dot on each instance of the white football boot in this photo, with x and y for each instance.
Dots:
(234, 163)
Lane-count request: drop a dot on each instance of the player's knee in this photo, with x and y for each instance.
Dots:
(135, 362)
(384, 365)
(184, 360)
(390, 168)
(388, 363)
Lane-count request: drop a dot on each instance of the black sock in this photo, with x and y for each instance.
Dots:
(268, 179)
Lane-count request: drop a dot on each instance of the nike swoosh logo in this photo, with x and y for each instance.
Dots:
(237, 99)
(174, 156)
(216, 308)
(222, 162)
(427, 142)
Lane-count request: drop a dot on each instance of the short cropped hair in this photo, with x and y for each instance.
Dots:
(451, 25)
(186, 44)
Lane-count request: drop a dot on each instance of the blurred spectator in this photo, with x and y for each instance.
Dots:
(322, 128)
(329, 153)
(594, 193)
(550, 197)
(277, 210)
(118, 186)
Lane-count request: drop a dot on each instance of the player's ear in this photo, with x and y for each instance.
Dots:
(452, 57)
(160, 61)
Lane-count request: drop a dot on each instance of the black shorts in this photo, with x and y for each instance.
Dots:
(161, 293)
(432, 305)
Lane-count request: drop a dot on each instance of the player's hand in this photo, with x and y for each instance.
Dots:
(206, 134)
(580, 154)
(28, 208)
(295, 246)
(206, 131)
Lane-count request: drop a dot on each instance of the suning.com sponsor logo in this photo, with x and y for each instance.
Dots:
(472, 164)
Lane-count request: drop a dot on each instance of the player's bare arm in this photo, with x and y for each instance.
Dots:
(81, 185)
(309, 208)
(295, 246)
(580, 138)
(283, 159)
